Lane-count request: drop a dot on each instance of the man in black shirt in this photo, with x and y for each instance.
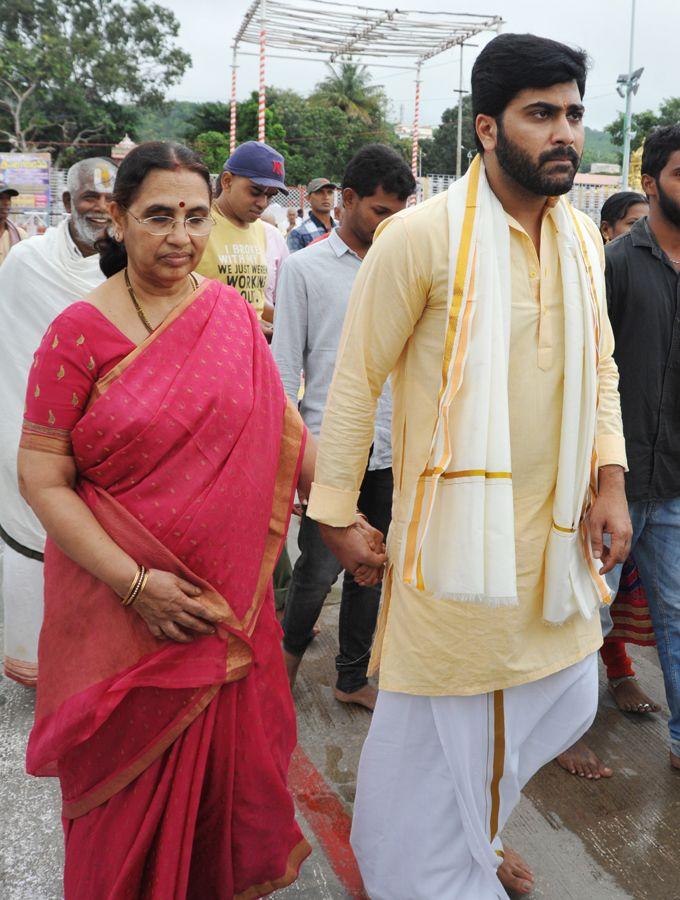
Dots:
(643, 291)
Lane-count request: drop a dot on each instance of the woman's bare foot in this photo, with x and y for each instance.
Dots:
(514, 874)
(675, 761)
(579, 759)
(365, 696)
(630, 697)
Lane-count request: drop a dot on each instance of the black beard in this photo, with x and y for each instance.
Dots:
(517, 163)
(668, 206)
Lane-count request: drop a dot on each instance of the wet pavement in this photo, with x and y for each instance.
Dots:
(616, 839)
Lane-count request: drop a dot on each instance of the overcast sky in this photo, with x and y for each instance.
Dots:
(599, 26)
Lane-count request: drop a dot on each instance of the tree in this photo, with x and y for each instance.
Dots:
(208, 129)
(349, 89)
(599, 148)
(214, 148)
(211, 116)
(439, 154)
(68, 66)
(644, 122)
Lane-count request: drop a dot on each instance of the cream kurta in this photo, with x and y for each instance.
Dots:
(396, 323)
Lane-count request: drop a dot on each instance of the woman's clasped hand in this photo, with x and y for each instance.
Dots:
(172, 608)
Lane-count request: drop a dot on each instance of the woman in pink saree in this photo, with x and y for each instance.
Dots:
(162, 458)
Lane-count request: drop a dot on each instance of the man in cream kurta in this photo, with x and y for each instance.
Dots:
(473, 698)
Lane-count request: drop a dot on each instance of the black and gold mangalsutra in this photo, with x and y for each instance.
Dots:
(193, 280)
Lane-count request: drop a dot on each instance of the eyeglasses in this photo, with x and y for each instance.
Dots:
(197, 226)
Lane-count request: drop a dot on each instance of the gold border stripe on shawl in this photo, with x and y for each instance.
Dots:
(476, 473)
(460, 274)
(498, 761)
(462, 264)
(563, 529)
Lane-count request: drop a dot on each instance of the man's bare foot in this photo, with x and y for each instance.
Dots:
(630, 697)
(365, 696)
(514, 874)
(675, 761)
(292, 665)
(579, 759)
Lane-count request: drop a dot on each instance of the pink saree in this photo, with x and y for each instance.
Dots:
(172, 757)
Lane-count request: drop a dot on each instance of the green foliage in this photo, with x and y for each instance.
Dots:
(214, 148)
(349, 89)
(212, 116)
(169, 121)
(642, 123)
(439, 154)
(68, 66)
(316, 136)
(598, 149)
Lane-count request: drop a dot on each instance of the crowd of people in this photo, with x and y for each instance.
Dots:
(492, 385)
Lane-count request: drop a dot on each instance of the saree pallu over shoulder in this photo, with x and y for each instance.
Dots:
(188, 456)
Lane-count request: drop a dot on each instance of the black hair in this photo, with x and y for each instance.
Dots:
(659, 146)
(616, 207)
(129, 178)
(377, 165)
(510, 63)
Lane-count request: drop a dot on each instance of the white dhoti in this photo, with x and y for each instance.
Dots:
(39, 279)
(439, 777)
(22, 593)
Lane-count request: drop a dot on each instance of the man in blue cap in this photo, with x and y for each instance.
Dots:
(237, 250)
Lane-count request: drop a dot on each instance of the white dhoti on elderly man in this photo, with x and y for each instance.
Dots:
(505, 406)
(40, 277)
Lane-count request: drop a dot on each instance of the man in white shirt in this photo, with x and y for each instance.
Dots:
(41, 276)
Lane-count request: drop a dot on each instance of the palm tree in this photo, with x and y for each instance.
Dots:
(348, 88)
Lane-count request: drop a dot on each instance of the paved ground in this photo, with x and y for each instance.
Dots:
(614, 840)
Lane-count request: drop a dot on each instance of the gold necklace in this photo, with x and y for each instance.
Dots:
(138, 309)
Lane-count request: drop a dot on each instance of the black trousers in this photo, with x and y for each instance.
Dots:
(315, 573)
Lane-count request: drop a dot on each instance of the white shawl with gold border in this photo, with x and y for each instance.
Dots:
(460, 540)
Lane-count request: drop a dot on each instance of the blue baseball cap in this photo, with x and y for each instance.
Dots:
(263, 165)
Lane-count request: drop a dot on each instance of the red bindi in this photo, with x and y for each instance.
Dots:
(181, 204)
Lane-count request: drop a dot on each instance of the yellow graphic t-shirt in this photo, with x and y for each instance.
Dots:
(237, 257)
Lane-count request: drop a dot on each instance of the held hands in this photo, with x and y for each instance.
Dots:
(360, 549)
(172, 608)
(609, 515)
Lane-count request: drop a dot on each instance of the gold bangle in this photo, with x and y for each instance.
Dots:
(138, 588)
(142, 586)
(134, 587)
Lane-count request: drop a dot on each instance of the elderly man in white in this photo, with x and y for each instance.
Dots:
(41, 277)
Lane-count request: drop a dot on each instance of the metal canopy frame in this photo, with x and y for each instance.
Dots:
(335, 31)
